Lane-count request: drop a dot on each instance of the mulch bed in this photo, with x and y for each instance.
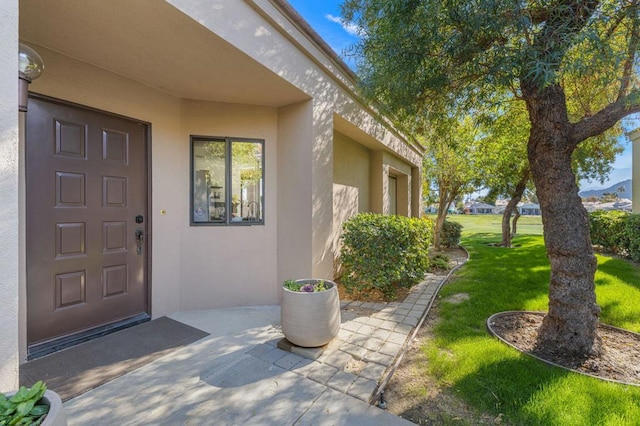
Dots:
(620, 361)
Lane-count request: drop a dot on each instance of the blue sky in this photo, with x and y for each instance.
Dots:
(325, 18)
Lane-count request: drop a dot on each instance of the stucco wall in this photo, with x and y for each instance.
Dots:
(403, 173)
(205, 267)
(192, 267)
(351, 167)
(361, 183)
(9, 211)
(345, 206)
(295, 184)
(322, 189)
(232, 265)
(277, 44)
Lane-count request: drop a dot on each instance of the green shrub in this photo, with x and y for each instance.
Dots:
(382, 252)
(608, 229)
(450, 234)
(632, 229)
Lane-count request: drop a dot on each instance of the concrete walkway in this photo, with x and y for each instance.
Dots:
(239, 376)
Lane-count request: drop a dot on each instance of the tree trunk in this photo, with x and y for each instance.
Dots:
(571, 324)
(511, 209)
(437, 229)
(514, 223)
(445, 198)
(506, 223)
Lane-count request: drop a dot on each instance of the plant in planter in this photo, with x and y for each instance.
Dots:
(32, 406)
(310, 312)
(306, 287)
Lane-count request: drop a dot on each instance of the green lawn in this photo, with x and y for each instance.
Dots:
(498, 379)
(492, 224)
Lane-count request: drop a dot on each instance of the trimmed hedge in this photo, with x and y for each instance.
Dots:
(450, 234)
(608, 229)
(381, 252)
(632, 228)
(616, 232)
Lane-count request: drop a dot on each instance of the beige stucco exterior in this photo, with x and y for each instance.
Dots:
(351, 168)
(9, 207)
(237, 68)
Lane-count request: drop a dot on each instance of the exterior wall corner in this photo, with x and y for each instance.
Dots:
(9, 193)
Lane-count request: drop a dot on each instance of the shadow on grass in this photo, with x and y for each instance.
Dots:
(531, 393)
(618, 280)
(622, 269)
(507, 385)
(496, 279)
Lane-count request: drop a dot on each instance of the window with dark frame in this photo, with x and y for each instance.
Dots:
(227, 181)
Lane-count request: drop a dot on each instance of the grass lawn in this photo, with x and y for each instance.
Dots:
(492, 224)
(495, 378)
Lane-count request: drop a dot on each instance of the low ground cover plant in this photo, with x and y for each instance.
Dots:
(438, 262)
(382, 252)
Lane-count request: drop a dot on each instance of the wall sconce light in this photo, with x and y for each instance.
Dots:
(30, 66)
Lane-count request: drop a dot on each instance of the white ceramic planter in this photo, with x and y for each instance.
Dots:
(310, 319)
(56, 415)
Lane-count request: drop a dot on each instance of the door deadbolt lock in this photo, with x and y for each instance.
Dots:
(139, 218)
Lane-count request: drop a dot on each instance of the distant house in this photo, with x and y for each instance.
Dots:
(480, 208)
(590, 206)
(530, 209)
(623, 204)
(501, 206)
(433, 209)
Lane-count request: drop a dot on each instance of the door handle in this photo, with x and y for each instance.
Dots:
(139, 240)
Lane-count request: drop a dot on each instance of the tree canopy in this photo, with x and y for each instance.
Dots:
(451, 164)
(412, 49)
(428, 59)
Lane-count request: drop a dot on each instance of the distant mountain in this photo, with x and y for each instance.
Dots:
(613, 189)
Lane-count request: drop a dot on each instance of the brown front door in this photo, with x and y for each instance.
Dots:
(86, 185)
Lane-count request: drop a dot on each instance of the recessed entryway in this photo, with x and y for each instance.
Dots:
(87, 223)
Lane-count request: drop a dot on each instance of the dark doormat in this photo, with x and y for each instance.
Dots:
(78, 369)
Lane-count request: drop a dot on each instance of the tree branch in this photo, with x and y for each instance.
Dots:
(605, 118)
(628, 64)
(615, 24)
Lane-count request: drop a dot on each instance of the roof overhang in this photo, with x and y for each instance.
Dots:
(154, 43)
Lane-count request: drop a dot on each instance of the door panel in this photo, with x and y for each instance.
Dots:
(86, 181)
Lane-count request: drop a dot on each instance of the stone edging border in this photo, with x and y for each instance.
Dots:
(493, 333)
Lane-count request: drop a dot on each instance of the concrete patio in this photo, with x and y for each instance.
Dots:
(239, 375)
